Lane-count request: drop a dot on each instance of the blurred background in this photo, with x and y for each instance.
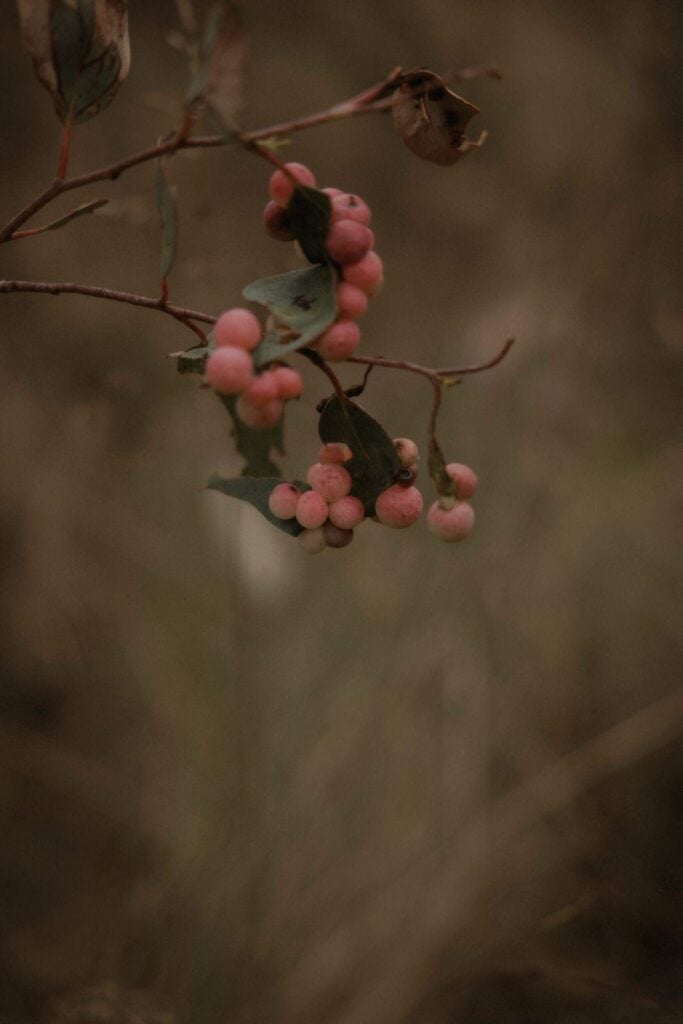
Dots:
(406, 783)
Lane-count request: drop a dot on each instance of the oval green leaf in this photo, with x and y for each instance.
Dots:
(80, 51)
(375, 463)
(302, 303)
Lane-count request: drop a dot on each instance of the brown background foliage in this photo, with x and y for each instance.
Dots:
(406, 782)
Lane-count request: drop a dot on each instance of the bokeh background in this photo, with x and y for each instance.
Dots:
(406, 783)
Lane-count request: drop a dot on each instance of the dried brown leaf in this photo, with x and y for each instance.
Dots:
(431, 119)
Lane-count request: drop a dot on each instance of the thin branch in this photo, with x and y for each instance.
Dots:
(433, 373)
(371, 101)
(79, 211)
(184, 316)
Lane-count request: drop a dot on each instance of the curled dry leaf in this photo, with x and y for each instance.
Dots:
(80, 51)
(431, 119)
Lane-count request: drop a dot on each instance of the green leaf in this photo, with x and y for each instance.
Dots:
(192, 359)
(218, 81)
(255, 445)
(79, 211)
(375, 463)
(168, 214)
(80, 51)
(302, 302)
(310, 213)
(256, 493)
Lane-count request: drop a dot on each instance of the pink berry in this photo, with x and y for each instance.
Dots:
(339, 341)
(262, 389)
(451, 524)
(281, 186)
(351, 301)
(282, 501)
(399, 506)
(347, 512)
(335, 451)
(311, 510)
(313, 541)
(367, 274)
(348, 241)
(239, 328)
(276, 223)
(464, 478)
(407, 452)
(289, 382)
(350, 207)
(332, 192)
(262, 418)
(336, 537)
(229, 370)
(330, 480)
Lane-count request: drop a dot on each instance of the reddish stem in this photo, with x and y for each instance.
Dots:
(64, 147)
(179, 313)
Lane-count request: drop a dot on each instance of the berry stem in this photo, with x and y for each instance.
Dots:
(318, 361)
(445, 376)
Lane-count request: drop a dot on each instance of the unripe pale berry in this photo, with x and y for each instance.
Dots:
(350, 207)
(351, 301)
(238, 328)
(289, 382)
(464, 478)
(339, 341)
(336, 537)
(281, 187)
(276, 222)
(347, 512)
(399, 507)
(311, 510)
(313, 541)
(367, 274)
(451, 524)
(407, 452)
(262, 389)
(228, 370)
(282, 500)
(335, 451)
(348, 241)
(262, 418)
(330, 480)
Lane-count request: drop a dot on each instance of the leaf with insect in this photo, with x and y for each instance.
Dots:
(302, 304)
(431, 119)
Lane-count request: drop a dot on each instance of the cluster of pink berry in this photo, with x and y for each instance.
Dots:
(229, 370)
(349, 243)
(328, 513)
